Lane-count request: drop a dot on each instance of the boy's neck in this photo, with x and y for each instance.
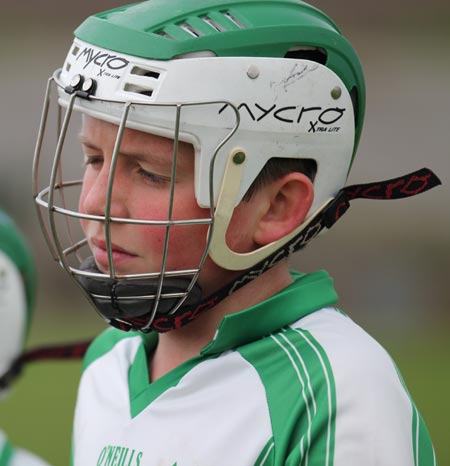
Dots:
(177, 346)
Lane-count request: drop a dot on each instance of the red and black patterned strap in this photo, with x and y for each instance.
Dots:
(74, 350)
(397, 188)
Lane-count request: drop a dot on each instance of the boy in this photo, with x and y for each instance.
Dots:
(17, 293)
(217, 138)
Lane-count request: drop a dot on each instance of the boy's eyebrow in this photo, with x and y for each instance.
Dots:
(83, 140)
(147, 157)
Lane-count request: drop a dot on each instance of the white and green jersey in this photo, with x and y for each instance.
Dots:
(291, 381)
(10, 456)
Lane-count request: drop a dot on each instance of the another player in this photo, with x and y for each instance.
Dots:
(17, 294)
(217, 140)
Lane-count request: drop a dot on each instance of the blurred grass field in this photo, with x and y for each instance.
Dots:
(38, 413)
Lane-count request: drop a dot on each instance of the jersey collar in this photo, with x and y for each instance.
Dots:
(308, 293)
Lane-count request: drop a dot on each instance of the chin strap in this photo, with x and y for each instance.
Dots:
(74, 350)
(396, 188)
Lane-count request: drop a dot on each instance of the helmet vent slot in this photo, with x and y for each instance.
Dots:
(75, 50)
(216, 26)
(190, 30)
(137, 70)
(233, 19)
(217, 21)
(164, 34)
(315, 54)
(141, 90)
(142, 81)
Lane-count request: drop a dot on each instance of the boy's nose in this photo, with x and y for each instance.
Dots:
(95, 200)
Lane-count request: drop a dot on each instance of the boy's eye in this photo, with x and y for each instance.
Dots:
(92, 160)
(153, 177)
(96, 162)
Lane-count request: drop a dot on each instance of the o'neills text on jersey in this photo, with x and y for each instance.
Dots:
(119, 456)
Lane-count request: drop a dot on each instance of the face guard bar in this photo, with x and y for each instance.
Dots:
(115, 296)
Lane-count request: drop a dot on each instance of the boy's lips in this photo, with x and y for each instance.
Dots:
(100, 252)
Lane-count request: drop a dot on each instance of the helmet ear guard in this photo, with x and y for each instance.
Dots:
(218, 249)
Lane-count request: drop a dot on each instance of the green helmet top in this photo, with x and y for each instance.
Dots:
(167, 29)
(14, 245)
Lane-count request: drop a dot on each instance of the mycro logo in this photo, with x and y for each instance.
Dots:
(102, 59)
(319, 118)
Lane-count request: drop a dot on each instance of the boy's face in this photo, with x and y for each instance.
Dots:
(141, 191)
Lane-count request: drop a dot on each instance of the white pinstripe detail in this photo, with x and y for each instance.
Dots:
(267, 454)
(417, 440)
(302, 362)
(280, 344)
(327, 378)
(416, 453)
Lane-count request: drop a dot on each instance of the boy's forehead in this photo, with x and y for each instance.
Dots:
(95, 127)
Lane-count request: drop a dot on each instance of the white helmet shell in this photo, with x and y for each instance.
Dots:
(287, 108)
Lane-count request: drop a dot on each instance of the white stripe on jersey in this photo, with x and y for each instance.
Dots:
(300, 378)
(263, 460)
(327, 378)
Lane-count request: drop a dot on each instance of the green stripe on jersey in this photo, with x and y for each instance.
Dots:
(301, 396)
(423, 449)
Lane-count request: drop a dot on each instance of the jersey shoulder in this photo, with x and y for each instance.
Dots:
(356, 358)
(349, 347)
(371, 403)
(104, 343)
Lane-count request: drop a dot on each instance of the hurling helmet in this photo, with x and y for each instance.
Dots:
(243, 82)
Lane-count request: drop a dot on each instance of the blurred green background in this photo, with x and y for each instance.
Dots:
(391, 261)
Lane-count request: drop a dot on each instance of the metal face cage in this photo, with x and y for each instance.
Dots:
(128, 299)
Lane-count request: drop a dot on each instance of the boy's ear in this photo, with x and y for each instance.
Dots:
(286, 203)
